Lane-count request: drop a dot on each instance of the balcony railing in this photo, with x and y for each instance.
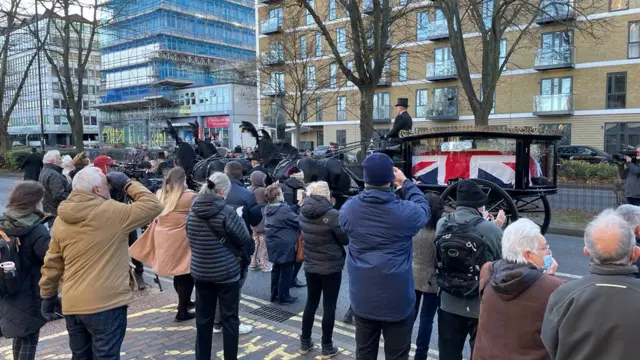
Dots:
(274, 119)
(437, 30)
(269, 1)
(385, 80)
(342, 115)
(558, 57)
(273, 90)
(442, 70)
(443, 110)
(553, 105)
(552, 11)
(371, 43)
(382, 114)
(273, 58)
(271, 25)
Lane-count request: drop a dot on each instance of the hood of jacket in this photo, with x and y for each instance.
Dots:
(53, 167)
(79, 206)
(258, 179)
(206, 206)
(272, 209)
(509, 280)
(22, 225)
(378, 196)
(294, 183)
(315, 206)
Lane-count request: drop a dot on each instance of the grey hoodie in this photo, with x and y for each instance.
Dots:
(258, 179)
(493, 235)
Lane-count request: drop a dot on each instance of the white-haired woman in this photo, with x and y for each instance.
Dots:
(67, 166)
(515, 292)
(218, 239)
(324, 256)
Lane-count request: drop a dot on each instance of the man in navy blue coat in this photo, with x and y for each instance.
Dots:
(380, 228)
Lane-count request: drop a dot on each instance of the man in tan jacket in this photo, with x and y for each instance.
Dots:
(90, 248)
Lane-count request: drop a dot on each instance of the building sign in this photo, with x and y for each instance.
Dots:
(185, 110)
(217, 121)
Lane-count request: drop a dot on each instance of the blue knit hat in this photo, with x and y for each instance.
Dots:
(378, 169)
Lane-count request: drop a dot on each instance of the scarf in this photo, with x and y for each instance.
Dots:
(14, 219)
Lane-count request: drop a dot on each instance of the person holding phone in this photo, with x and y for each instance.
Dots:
(293, 189)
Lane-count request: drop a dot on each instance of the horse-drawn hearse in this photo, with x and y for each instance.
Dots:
(515, 166)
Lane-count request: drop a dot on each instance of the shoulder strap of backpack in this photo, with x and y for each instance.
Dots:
(223, 239)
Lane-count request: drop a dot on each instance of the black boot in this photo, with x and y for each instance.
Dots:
(329, 351)
(306, 345)
(140, 280)
(348, 317)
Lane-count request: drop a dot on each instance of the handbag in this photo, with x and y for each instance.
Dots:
(299, 249)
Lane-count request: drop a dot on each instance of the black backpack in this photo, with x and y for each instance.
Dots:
(460, 254)
(10, 251)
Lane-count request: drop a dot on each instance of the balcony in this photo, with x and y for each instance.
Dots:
(273, 120)
(553, 105)
(342, 115)
(437, 30)
(273, 91)
(553, 11)
(559, 57)
(385, 80)
(443, 110)
(367, 7)
(442, 70)
(382, 115)
(267, 2)
(371, 43)
(271, 26)
(272, 58)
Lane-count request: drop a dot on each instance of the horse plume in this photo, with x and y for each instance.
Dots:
(246, 126)
(265, 134)
(174, 134)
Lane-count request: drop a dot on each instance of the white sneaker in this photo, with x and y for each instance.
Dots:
(217, 330)
(245, 329)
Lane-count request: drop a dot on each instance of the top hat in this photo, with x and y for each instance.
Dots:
(404, 102)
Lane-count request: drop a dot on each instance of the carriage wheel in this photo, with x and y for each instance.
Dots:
(497, 199)
(535, 208)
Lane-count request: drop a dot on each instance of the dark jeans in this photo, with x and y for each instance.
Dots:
(453, 330)
(133, 236)
(97, 336)
(207, 295)
(329, 287)
(281, 276)
(183, 284)
(397, 338)
(633, 201)
(24, 348)
(296, 270)
(430, 303)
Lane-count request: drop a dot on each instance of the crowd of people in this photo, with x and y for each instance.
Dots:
(407, 261)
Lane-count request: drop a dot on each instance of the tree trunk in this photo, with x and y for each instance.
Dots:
(366, 119)
(481, 114)
(5, 140)
(78, 134)
(297, 144)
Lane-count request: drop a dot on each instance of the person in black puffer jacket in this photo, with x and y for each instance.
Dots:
(20, 315)
(215, 267)
(293, 192)
(324, 257)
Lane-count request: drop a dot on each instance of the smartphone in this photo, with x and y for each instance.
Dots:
(300, 194)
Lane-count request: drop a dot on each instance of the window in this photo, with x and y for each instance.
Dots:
(310, 77)
(303, 47)
(332, 9)
(320, 137)
(566, 133)
(555, 95)
(402, 67)
(557, 47)
(616, 90)
(342, 108)
(616, 5)
(621, 136)
(318, 109)
(310, 20)
(276, 82)
(341, 39)
(634, 40)
(333, 69)
(422, 23)
(422, 100)
(503, 52)
(318, 44)
(350, 67)
(556, 86)
(56, 119)
(403, 2)
(381, 107)
(487, 12)
(445, 102)
(304, 114)
(341, 137)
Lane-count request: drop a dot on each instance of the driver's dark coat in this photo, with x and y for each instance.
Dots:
(402, 122)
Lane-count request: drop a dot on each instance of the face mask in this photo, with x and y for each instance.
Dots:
(548, 260)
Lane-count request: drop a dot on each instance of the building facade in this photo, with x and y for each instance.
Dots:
(24, 123)
(153, 48)
(560, 77)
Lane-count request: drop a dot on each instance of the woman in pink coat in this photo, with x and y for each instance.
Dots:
(164, 245)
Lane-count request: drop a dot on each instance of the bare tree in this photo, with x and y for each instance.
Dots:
(295, 82)
(492, 20)
(375, 34)
(16, 45)
(73, 41)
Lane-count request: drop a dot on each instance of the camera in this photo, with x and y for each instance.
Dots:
(139, 172)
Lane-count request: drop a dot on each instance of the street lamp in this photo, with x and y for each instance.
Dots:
(39, 80)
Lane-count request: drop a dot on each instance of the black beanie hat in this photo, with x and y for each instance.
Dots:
(470, 195)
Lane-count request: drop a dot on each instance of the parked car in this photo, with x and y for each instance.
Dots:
(584, 153)
(321, 150)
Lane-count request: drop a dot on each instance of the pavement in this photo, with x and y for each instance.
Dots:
(154, 335)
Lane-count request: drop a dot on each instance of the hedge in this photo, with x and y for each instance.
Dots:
(15, 157)
(576, 170)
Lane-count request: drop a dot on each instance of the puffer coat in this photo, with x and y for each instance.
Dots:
(56, 188)
(281, 232)
(212, 261)
(20, 314)
(322, 236)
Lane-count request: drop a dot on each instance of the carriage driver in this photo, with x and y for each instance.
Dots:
(402, 122)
